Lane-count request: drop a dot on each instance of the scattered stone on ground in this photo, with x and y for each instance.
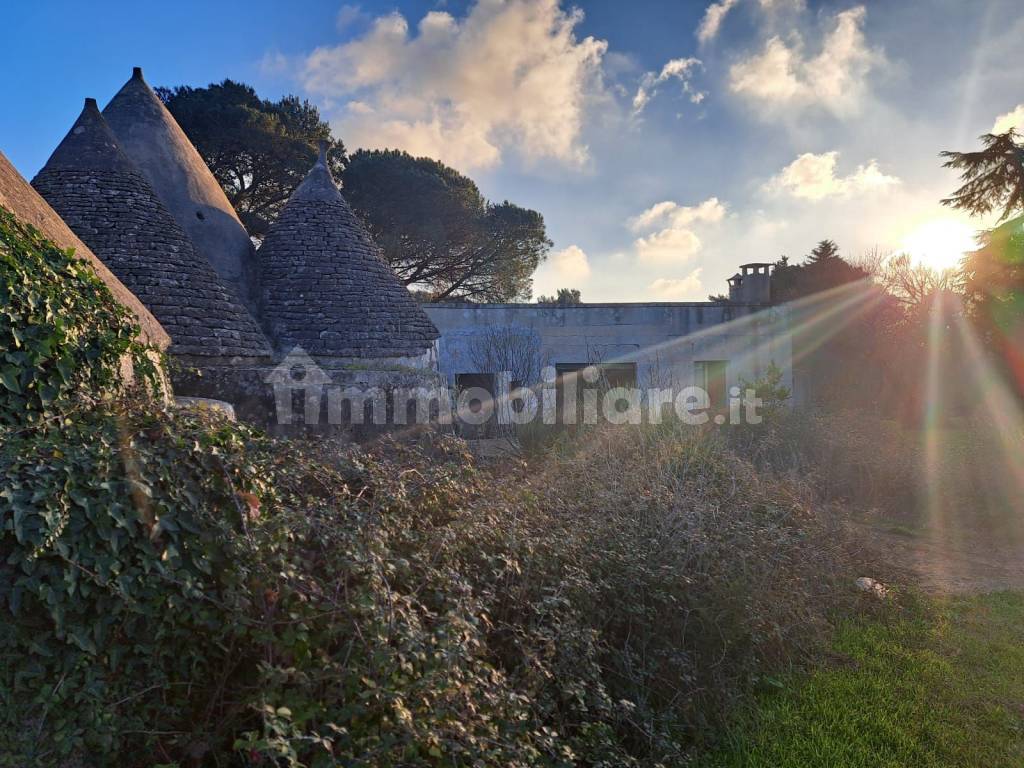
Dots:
(207, 402)
(872, 587)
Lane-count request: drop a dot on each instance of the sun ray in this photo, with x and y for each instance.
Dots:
(1002, 407)
(933, 407)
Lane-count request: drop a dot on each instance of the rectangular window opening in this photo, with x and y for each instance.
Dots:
(711, 377)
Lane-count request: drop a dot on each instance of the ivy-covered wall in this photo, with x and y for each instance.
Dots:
(65, 342)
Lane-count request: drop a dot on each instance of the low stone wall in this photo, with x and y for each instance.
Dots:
(359, 400)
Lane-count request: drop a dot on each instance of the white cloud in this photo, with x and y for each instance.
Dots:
(656, 213)
(783, 78)
(813, 177)
(569, 264)
(1014, 119)
(567, 268)
(713, 18)
(668, 246)
(711, 210)
(670, 237)
(715, 14)
(510, 75)
(687, 288)
(677, 69)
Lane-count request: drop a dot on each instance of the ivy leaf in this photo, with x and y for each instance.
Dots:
(9, 378)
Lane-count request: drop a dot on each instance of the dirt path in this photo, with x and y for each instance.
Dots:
(949, 562)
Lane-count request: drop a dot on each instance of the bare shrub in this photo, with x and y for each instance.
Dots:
(509, 349)
(849, 457)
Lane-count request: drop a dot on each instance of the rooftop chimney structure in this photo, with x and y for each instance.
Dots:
(752, 284)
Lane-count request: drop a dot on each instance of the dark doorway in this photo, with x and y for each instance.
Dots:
(485, 384)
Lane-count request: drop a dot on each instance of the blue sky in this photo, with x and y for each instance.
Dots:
(664, 142)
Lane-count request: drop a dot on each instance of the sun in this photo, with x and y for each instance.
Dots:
(939, 243)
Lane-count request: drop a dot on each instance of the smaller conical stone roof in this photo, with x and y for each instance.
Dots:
(108, 203)
(159, 148)
(325, 286)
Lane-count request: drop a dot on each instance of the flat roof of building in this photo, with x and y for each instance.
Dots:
(584, 305)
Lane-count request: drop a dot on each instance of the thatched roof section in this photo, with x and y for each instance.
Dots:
(155, 143)
(108, 203)
(18, 197)
(325, 287)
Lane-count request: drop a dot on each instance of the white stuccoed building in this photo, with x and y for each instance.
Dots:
(714, 345)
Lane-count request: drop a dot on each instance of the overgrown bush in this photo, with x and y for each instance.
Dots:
(63, 336)
(181, 589)
(173, 584)
(697, 575)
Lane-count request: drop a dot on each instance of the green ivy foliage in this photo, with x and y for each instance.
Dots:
(63, 336)
(178, 589)
(114, 533)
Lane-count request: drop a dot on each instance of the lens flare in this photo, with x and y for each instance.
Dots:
(940, 243)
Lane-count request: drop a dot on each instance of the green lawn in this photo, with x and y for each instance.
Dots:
(942, 684)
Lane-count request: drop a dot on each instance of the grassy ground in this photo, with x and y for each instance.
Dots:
(941, 684)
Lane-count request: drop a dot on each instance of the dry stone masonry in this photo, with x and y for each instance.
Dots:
(109, 204)
(325, 286)
(134, 189)
(155, 143)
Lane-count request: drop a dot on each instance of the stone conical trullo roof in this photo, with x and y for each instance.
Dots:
(158, 147)
(325, 287)
(109, 204)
